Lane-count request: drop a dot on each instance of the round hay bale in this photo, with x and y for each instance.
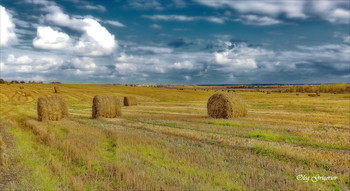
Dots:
(57, 89)
(130, 100)
(106, 106)
(222, 105)
(27, 94)
(52, 108)
(21, 87)
(2, 152)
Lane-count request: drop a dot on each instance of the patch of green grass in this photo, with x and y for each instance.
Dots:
(324, 145)
(276, 154)
(162, 159)
(109, 149)
(319, 129)
(75, 107)
(273, 137)
(262, 150)
(292, 139)
(232, 124)
(34, 158)
(173, 125)
(235, 124)
(74, 101)
(258, 127)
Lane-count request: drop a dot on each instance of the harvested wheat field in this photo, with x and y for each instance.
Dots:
(168, 142)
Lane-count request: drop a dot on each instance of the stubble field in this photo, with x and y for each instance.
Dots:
(167, 142)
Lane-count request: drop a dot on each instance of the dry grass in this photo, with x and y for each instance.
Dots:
(222, 105)
(45, 135)
(130, 100)
(106, 106)
(51, 108)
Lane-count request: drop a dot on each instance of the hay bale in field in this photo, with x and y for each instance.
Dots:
(57, 89)
(268, 92)
(27, 94)
(52, 108)
(223, 105)
(130, 100)
(21, 87)
(2, 152)
(318, 94)
(312, 95)
(297, 94)
(106, 106)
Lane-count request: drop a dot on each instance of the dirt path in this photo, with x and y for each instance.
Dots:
(7, 172)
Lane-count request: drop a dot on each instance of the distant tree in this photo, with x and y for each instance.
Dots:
(14, 82)
(22, 82)
(324, 88)
(2, 81)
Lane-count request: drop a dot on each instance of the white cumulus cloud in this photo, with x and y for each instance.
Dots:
(11, 59)
(183, 65)
(114, 23)
(185, 18)
(7, 28)
(95, 40)
(124, 68)
(260, 21)
(334, 11)
(48, 38)
(85, 63)
(240, 57)
(339, 16)
(291, 8)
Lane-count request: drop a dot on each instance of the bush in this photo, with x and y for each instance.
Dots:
(2, 81)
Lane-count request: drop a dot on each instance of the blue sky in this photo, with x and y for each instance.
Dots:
(176, 41)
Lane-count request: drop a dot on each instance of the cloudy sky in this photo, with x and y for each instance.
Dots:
(176, 41)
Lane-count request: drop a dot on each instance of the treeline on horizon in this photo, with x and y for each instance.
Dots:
(322, 88)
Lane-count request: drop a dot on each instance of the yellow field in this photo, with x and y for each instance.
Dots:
(167, 142)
